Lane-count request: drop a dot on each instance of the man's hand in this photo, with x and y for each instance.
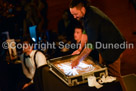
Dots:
(82, 56)
(74, 63)
(26, 85)
(76, 52)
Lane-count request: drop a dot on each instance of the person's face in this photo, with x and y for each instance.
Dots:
(77, 13)
(26, 47)
(78, 34)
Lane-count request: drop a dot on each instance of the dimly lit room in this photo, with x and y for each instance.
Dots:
(68, 45)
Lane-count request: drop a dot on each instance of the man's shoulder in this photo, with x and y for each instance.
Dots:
(38, 53)
(95, 16)
(40, 58)
(96, 12)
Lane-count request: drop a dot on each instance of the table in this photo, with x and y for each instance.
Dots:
(47, 81)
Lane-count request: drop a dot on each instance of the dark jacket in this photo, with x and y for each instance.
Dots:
(100, 28)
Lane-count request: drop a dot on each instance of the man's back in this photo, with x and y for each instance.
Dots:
(100, 28)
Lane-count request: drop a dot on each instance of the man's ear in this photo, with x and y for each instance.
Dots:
(83, 10)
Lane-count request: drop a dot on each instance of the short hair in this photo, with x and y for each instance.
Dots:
(28, 39)
(75, 3)
(78, 25)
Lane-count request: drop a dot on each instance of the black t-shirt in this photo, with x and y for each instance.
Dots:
(100, 28)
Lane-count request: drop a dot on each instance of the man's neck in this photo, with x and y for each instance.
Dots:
(78, 41)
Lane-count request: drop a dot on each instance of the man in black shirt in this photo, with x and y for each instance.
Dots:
(100, 30)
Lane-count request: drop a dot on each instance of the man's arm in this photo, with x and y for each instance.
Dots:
(81, 57)
(40, 59)
(83, 42)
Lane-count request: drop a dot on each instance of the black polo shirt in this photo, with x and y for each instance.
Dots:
(100, 28)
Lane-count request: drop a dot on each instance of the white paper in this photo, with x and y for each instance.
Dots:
(93, 83)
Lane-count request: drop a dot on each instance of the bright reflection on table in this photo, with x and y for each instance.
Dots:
(80, 69)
